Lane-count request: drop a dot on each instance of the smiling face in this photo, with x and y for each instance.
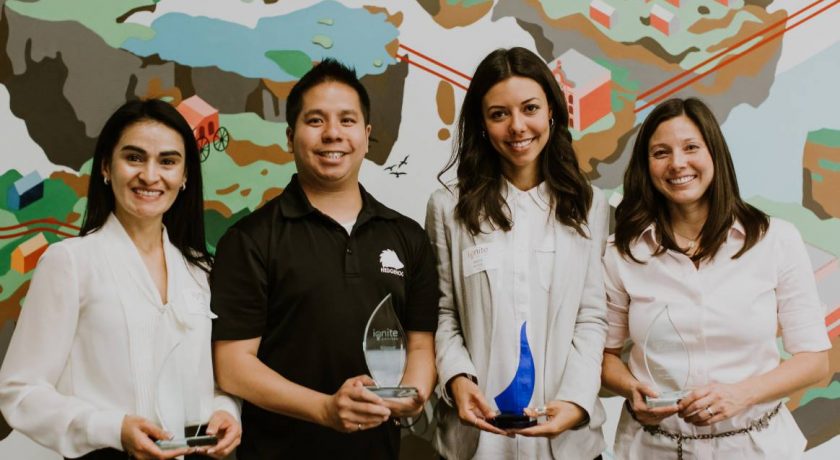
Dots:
(680, 164)
(516, 116)
(330, 137)
(146, 171)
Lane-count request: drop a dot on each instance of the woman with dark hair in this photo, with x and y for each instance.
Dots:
(112, 349)
(519, 242)
(701, 282)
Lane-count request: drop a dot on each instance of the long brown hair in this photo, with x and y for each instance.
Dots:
(643, 205)
(479, 169)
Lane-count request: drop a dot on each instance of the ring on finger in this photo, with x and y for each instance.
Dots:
(540, 411)
(710, 411)
(359, 427)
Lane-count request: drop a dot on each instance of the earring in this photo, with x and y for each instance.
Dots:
(551, 122)
(184, 186)
(484, 134)
(106, 180)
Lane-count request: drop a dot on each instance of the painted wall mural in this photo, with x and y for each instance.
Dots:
(768, 68)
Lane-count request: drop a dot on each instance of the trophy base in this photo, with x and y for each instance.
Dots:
(666, 398)
(512, 421)
(394, 392)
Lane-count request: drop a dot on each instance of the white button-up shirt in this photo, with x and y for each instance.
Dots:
(528, 256)
(727, 312)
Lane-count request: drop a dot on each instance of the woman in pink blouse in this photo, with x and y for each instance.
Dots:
(701, 282)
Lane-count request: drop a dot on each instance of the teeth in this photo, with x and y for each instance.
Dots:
(147, 192)
(520, 144)
(333, 155)
(681, 180)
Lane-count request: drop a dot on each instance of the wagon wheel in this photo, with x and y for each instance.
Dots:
(203, 148)
(220, 140)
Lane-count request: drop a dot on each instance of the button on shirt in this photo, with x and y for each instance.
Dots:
(528, 257)
(727, 312)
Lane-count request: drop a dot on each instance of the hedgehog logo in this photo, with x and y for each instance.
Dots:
(391, 263)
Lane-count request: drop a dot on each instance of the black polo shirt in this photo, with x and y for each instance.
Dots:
(293, 276)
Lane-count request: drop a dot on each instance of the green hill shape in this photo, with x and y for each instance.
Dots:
(825, 136)
(293, 62)
(832, 391)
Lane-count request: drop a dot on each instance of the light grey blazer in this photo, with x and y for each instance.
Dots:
(577, 312)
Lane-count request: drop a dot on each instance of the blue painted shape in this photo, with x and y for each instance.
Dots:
(359, 39)
(25, 191)
(515, 398)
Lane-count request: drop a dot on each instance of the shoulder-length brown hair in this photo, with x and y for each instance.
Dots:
(479, 168)
(643, 205)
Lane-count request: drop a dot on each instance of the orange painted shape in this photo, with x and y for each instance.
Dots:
(676, 3)
(25, 256)
(595, 105)
(599, 17)
(659, 24)
(833, 316)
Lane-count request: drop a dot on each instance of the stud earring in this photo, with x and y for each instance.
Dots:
(484, 134)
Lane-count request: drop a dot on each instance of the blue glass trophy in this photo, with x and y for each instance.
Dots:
(385, 352)
(515, 398)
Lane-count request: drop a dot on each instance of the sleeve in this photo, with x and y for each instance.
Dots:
(451, 354)
(423, 291)
(618, 302)
(239, 287)
(227, 403)
(36, 358)
(801, 315)
(583, 366)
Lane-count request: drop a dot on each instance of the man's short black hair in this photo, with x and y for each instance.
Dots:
(329, 70)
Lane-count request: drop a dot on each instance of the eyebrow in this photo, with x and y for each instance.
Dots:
(134, 148)
(322, 113)
(521, 103)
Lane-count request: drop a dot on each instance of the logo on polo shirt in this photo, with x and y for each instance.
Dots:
(391, 263)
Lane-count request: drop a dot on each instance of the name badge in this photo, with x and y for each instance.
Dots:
(481, 258)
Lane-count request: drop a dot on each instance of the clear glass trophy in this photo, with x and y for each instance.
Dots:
(385, 353)
(667, 360)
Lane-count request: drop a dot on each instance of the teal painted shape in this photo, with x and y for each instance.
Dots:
(358, 39)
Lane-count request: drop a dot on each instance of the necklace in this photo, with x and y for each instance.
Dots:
(692, 242)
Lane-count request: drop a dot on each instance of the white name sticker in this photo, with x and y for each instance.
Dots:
(481, 258)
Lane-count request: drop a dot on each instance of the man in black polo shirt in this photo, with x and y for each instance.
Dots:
(295, 282)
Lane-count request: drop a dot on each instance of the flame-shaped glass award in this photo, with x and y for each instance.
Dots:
(385, 353)
(515, 398)
(667, 360)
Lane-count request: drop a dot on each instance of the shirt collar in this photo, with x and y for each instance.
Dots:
(294, 204)
(649, 233)
(539, 194)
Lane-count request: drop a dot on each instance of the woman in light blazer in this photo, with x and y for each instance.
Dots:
(112, 348)
(519, 242)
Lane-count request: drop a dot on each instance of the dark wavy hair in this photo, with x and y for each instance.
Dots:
(643, 205)
(184, 220)
(479, 171)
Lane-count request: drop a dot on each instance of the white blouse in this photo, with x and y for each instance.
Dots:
(94, 343)
(727, 312)
(528, 257)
